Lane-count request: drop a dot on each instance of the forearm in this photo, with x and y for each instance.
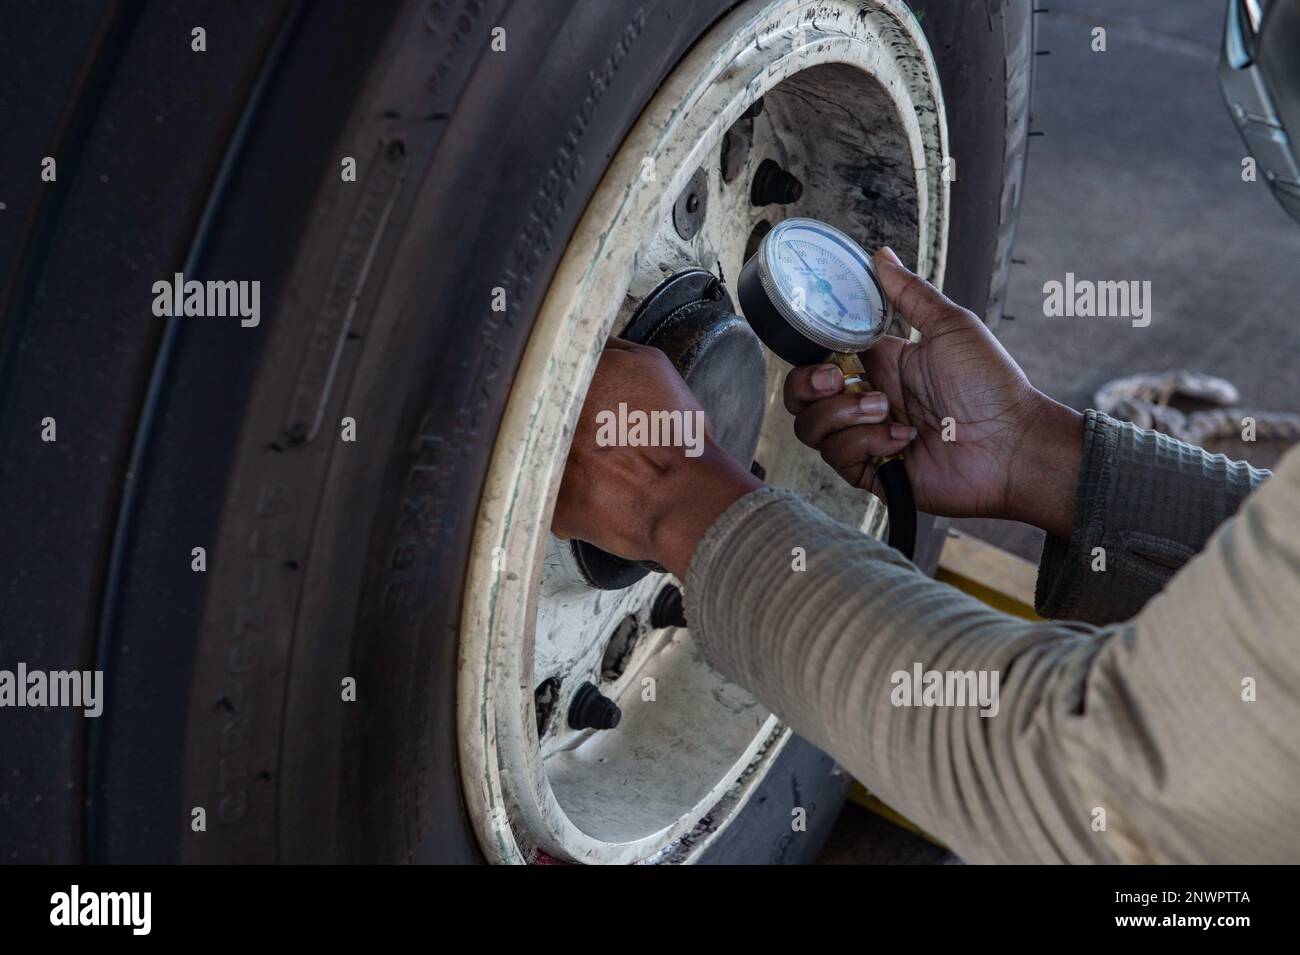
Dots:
(1144, 721)
(1043, 474)
(692, 495)
(821, 647)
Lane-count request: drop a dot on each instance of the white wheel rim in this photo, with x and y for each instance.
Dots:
(621, 796)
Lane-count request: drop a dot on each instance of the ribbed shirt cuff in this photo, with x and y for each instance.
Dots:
(1146, 504)
(1060, 581)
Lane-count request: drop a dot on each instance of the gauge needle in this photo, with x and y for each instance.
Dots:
(824, 285)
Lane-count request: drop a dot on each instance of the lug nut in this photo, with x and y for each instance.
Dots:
(692, 205)
(592, 710)
(667, 609)
(774, 186)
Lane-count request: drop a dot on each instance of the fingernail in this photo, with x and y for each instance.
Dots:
(873, 404)
(825, 378)
(901, 432)
(888, 253)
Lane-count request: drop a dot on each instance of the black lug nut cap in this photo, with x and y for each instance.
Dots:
(592, 710)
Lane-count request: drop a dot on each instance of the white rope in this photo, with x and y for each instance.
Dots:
(1145, 400)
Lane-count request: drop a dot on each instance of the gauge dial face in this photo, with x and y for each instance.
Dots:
(823, 283)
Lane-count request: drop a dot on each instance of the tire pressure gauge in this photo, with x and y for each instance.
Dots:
(811, 294)
(810, 290)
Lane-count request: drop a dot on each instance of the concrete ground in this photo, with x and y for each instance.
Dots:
(1137, 175)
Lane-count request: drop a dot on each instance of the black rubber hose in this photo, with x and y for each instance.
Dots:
(901, 506)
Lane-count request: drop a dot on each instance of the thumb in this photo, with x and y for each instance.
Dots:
(918, 302)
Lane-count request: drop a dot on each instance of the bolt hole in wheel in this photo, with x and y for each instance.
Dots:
(619, 651)
(545, 701)
(761, 228)
(842, 98)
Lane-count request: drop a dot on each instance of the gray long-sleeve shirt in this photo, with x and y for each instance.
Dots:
(1166, 729)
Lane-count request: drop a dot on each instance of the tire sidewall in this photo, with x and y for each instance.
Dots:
(297, 773)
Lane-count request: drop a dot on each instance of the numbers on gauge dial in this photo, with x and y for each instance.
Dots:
(830, 286)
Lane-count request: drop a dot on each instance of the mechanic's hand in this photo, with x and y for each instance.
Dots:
(1010, 451)
(643, 503)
